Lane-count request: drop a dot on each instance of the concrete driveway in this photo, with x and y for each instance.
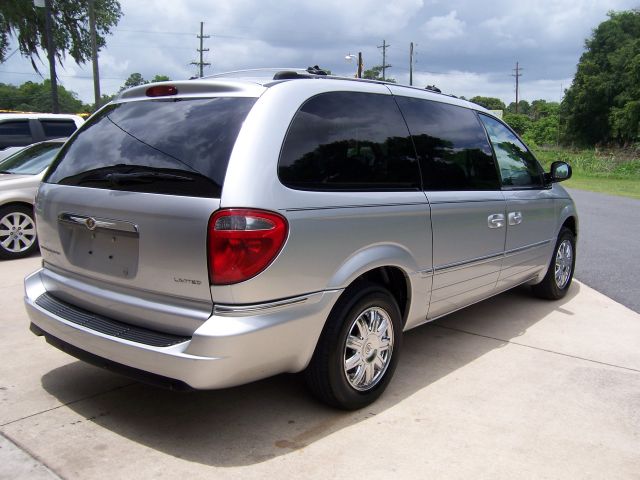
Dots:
(513, 387)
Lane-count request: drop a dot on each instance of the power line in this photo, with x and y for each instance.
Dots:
(65, 76)
(9, 56)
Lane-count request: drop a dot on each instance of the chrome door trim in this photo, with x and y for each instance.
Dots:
(526, 247)
(467, 263)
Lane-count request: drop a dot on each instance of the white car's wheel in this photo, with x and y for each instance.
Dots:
(17, 232)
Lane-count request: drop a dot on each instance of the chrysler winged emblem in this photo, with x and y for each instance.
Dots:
(90, 223)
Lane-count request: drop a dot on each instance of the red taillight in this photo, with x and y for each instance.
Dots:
(242, 243)
(161, 91)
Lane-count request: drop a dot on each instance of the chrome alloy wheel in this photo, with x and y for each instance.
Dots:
(564, 263)
(17, 232)
(368, 348)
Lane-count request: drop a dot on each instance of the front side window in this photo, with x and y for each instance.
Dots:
(349, 141)
(518, 167)
(451, 144)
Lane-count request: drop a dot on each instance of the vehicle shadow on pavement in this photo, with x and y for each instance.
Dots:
(256, 422)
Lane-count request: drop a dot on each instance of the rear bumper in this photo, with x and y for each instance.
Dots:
(230, 348)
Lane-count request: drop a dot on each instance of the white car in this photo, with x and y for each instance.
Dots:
(21, 129)
(20, 176)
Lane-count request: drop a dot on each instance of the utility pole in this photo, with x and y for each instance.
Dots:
(384, 47)
(48, 31)
(94, 54)
(411, 63)
(201, 63)
(517, 75)
(360, 65)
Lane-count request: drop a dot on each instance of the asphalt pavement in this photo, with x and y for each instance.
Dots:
(608, 257)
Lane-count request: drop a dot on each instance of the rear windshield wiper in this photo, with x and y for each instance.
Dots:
(117, 179)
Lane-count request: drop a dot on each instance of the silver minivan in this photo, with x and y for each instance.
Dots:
(208, 233)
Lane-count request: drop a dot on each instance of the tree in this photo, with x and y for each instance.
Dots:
(35, 97)
(22, 20)
(375, 73)
(518, 121)
(602, 105)
(490, 103)
(523, 107)
(134, 80)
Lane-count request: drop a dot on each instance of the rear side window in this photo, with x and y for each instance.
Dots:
(349, 141)
(452, 146)
(518, 167)
(58, 128)
(174, 147)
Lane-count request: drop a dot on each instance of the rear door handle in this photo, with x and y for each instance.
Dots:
(515, 218)
(496, 220)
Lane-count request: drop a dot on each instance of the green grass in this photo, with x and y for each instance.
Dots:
(611, 172)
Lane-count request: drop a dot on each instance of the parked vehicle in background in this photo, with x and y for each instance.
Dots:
(213, 232)
(7, 152)
(21, 129)
(20, 176)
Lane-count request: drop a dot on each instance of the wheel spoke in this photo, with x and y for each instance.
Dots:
(368, 372)
(354, 343)
(359, 375)
(362, 327)
(5, 243)
(353, 362)
(378, 362)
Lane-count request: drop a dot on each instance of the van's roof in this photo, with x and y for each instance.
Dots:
(252, 83)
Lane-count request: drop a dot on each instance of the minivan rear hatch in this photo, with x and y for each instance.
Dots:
(123, 211)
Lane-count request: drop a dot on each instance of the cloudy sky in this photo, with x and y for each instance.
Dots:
(464, 47)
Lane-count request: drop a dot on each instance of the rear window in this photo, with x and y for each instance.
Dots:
(58, 128)
(174, 147)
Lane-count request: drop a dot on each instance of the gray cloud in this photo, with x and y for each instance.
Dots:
(465, 47)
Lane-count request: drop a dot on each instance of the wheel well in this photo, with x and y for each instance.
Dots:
(394, 280)
(570, 223)
(17, 204)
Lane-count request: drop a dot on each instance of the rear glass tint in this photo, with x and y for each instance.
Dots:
(175, 147)
(349, 141)
(452, 146)
(58, 128)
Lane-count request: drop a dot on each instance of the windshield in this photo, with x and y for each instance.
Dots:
(31, 160)
(172, 147)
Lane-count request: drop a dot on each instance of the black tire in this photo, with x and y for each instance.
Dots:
(326, 375)
(549, 287)
(13, 216)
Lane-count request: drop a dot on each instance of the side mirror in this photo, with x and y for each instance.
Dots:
(560, 171)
